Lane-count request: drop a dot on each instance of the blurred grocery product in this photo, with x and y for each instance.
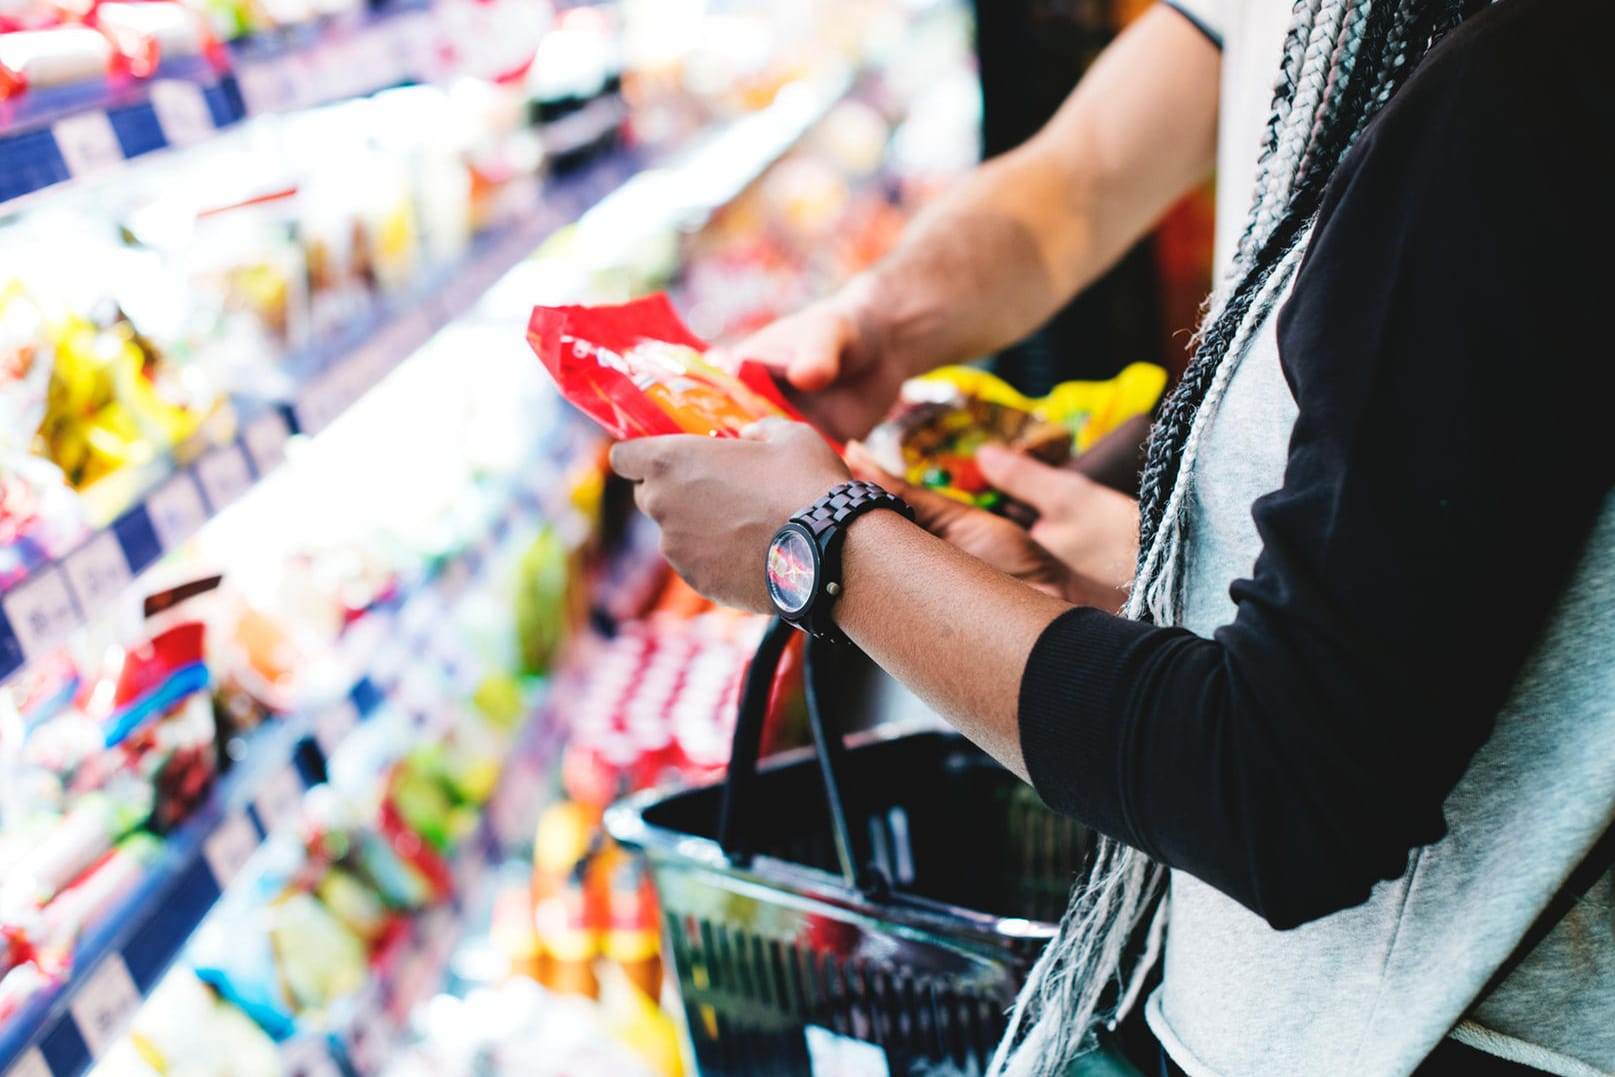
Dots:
(326, 633)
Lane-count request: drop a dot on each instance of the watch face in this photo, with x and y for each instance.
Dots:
(792, 570)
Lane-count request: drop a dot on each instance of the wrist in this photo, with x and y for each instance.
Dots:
(804, 566)
(891, 321)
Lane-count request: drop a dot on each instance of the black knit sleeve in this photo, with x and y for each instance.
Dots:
(1444, 346)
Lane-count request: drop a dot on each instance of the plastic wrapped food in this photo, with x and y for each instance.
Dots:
(944, 418)
(637, 370)
(40, 517)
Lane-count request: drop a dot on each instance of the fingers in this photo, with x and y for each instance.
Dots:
(639, 459)
(805, 348)
(817, 360)
(770, 428)
(632, 459)
(932, 511)
(1024, 478)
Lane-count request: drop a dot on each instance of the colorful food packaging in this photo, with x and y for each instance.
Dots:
(638, 371)
(944, 418)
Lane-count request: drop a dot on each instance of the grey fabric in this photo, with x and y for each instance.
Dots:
(1373, 989)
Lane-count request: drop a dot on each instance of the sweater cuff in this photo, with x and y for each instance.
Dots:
(1072, 706)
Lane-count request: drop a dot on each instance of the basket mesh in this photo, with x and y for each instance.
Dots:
(764, 954)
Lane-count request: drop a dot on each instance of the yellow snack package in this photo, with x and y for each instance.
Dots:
(943, 418)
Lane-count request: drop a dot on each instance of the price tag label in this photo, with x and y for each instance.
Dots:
(470, 867)
(225, 476)
(508, 812)
(438, 936)
(415, 976)
(307, 1056)
(265, 438)
(456, 577)
(183, 112)
(369, 1038)
(319, 79)
(31, 1064)
(319, 403)
(832, 1055)
(368, 365)
(420, 43)
(280, 800)
(176, 511)
(333, 726)
(228, 848)
(88, 143)
(105, 1004)
(98, 572)
(41, 611)
(264, 87)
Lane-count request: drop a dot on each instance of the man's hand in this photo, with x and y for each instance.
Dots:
(1087, 525)
(832, 361)
(720, 500)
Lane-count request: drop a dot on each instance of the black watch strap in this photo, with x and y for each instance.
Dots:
(846, 501)
(827, 520)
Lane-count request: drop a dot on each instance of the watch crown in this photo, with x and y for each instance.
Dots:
(832, 588)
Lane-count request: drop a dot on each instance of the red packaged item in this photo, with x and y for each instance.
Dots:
(638, 371)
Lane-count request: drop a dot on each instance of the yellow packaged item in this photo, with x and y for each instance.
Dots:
(944, 417)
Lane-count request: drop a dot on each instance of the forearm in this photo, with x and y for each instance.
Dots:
(1007, 247)
(955, 631)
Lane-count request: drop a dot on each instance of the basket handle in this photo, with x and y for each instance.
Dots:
(748, 738)
(828, 746)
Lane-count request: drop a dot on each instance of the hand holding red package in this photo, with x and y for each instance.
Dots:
(638, 371)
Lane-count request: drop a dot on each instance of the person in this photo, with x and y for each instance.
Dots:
(1029, 56)
(1360, 707)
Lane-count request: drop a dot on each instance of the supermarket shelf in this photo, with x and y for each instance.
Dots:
(375, 1021)
(119, 961)
(55, 134)
(123, 958)
(39, 612)
(279, 72)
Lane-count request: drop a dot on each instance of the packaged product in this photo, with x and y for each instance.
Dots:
(51, 56)
(40, 517)
(943, 419)
(93, 896)
(638, 371)
(115, 400)
(274, 949)
(185, 1027)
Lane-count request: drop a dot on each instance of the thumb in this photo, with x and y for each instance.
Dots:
(1021, 477)
(815, 361)
(768, 428)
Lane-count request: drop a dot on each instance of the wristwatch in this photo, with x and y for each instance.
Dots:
(804, 558)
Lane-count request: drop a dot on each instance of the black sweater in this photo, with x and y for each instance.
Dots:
(1446, 345)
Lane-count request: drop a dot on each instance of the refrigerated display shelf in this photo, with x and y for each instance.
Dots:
(39, 612)
(54, 134)
(415, 969)
(120, 960)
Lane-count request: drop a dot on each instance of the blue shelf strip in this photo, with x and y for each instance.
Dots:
(330, 379)
(148, 932)
(268, 72)
(331, 376)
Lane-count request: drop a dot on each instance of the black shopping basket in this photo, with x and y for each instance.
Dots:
(863, 908)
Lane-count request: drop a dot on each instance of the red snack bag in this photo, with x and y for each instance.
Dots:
(638, 371)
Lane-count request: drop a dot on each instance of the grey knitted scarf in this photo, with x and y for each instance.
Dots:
(1343, 59)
